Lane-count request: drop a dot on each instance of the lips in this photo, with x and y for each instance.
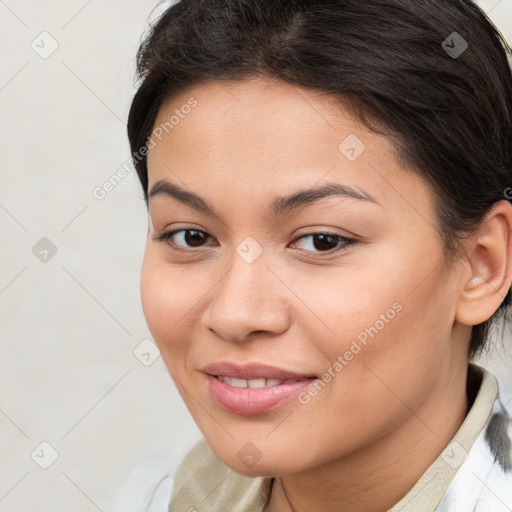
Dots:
(252, 388)
(252, 371)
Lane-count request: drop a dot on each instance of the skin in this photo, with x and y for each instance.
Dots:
(366, 438)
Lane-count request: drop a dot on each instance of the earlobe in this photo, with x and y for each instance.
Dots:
(489, 257)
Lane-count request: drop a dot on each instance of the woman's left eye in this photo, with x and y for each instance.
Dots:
(327, 241)
(322, 242)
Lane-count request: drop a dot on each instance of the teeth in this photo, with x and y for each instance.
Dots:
(258, 383)
(252, 383)
(238, 383)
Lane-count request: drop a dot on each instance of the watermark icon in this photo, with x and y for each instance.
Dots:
(249, 454)
(44, 455)
(100, 192)
(508, 193)
(343, 360)
(44, 44)
(352, 147)
(44, 250)
(454, 45)
(146, 352)
(249, 249)
(454, 455)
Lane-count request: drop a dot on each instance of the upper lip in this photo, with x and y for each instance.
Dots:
(251, 371)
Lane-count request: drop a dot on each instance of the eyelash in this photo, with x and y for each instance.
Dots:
(166, 236)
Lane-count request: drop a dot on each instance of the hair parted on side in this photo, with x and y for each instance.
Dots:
(449, 116)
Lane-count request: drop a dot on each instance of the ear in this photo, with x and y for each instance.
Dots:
(489, 267)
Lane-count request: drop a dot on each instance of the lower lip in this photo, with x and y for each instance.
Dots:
(253, 400)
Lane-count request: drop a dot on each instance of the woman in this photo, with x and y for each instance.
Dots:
(330, 240)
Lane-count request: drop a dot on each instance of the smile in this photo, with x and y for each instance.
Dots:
(255, 383)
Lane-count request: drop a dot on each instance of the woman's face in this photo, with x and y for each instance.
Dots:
(275, 263)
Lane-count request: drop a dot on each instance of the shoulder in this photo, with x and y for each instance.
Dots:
(496, 484)
(146, 487)
(484, 481)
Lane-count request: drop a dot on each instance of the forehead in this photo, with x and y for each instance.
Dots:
(268, 135)
(248, 113)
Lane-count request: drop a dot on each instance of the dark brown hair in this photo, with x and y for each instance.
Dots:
(433, 73)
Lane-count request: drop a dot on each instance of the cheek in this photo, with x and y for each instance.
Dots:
(167, 297)
(346, 305)
(155, 296)
(380, 338)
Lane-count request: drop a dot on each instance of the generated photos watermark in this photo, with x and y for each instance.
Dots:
(101, 192)
(343, 360)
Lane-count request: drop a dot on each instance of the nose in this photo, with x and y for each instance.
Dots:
(248, 300)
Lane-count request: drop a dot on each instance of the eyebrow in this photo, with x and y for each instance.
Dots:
(279, 206)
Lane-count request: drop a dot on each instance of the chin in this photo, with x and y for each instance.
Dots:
(249, 461)
(258, 470)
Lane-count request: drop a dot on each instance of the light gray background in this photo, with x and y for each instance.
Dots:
(70, 325)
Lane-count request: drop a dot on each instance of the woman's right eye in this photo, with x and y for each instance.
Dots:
(193, 237)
